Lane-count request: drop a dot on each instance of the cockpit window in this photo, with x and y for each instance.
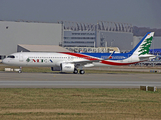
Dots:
(11, 56)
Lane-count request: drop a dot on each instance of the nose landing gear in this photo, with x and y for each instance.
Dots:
(20, 71)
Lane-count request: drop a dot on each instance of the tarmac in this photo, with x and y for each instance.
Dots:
(57, 80)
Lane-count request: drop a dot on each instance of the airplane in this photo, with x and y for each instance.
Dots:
(70, 62)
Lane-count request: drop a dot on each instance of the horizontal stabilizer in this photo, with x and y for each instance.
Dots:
(147, 56)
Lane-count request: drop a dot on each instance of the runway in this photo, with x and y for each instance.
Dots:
(50, 80)
(74, 84)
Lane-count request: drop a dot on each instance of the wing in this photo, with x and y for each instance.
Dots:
(86, 59)
(90, 61)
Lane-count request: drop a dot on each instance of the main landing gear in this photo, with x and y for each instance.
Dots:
(76, 71)
(81, 71)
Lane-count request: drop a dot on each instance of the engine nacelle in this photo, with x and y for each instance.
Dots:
(67, 67)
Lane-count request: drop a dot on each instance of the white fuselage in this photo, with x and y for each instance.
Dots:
(55, 59)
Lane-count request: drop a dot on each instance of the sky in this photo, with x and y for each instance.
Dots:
(141, 13)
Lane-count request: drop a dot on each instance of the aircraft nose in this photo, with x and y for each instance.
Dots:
(4, 61)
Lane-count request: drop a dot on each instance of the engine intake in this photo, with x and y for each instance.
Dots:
(67, 67)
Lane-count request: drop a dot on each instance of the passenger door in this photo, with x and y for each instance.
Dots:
(20, 57)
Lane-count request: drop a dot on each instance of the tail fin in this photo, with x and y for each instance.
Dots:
(143, 46)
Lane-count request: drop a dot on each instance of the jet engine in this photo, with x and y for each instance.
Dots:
(67, 67)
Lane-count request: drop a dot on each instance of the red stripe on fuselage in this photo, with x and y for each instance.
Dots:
(102, 61)
(117, 64)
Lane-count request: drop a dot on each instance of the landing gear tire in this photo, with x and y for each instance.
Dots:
(81, 71)
(75, 71)
(20, 71)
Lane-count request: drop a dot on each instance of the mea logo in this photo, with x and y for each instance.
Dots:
(38, 60)
(28, 60)
(144, 48)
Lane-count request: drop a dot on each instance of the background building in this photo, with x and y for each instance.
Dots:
(40, 48)
(14, 33)
(79, 39)
(102, 34)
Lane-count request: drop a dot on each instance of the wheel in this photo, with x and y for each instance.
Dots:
(20, 70)
(75, 71)
(81, 71)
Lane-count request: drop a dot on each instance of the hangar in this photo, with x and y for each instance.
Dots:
(40, 48)
(33, 33)
(102, 34)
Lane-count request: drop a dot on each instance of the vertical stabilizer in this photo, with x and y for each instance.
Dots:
(143, 46)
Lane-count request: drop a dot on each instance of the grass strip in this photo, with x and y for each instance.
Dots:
(78, 104)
